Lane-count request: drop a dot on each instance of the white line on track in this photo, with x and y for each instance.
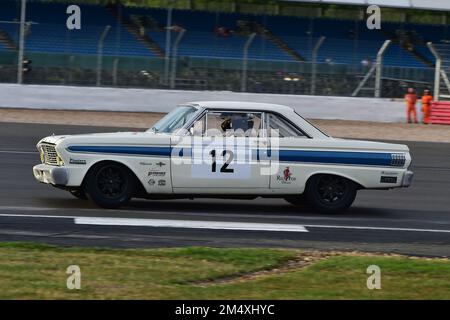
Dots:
(191, 224)
(48, 216)
(279, 217)
(18, 152)
(184, 213)
(223, 225)
(375, 228)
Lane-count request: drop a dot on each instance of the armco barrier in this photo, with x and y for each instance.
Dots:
(440, 112)
(154, 100)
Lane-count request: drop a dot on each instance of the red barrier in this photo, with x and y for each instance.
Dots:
(440, 112)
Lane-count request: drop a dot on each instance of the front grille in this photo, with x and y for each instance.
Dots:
(398, 159)
(49, 155)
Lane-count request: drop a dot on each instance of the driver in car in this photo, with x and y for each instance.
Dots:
(239, 123)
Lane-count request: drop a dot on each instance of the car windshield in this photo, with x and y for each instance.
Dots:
(175, 119)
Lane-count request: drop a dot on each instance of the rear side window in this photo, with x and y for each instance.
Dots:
(285, 129)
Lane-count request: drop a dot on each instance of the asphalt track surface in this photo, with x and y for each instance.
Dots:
(413, 221)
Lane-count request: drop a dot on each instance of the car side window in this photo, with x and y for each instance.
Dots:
(228, 123)
(285, 129)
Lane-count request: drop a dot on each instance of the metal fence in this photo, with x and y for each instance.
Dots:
(441, 53)
(110, 63)
(112, 67)
(196, 73)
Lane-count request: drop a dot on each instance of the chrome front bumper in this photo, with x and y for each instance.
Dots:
(407, 179)
(51, 174)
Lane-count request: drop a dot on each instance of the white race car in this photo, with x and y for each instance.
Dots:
(225, 150)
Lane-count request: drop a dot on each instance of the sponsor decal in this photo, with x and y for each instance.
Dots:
(389, 173)
(151, 182)
(161, 183)
(388, 179)
(77, 161)
(156, 173)
(145, 163)
(286, 177)
(160, 164)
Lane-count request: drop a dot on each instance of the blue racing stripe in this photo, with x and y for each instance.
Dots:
(337, 157)
(148, 151)
(307, 156)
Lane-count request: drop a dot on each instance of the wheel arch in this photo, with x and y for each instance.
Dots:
(326, 172)
(140, 186)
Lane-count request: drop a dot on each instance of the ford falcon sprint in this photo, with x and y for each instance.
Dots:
(220, 149)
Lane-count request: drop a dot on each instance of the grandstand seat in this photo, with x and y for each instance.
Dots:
(347, 41)
(49, 33)
(200, 39)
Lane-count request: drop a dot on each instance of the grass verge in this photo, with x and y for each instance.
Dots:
(33, 271)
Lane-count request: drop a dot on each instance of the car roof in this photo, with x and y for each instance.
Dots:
(241, 105)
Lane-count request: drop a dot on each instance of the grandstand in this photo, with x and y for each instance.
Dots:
(49, 34)
(214, 42)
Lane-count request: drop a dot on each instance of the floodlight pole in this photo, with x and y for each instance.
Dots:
(245, 61)
(379, 68)
(168, 43)
(100, 54)
(437, 71)
(23, 11)
(175, 57)
(314, 64)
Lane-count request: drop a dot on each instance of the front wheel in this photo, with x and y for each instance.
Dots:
(330, 193)
(110, 185)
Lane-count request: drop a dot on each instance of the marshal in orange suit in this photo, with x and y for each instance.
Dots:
(411, 100)
(427, 98)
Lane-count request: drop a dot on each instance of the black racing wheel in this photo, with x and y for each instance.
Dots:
(110, 185)
(329, 193)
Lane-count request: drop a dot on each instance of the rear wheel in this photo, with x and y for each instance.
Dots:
(330, 193)
(110, 185)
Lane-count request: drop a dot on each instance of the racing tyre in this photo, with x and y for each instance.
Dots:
(330, 193)
(78, 193)
(110, 185)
